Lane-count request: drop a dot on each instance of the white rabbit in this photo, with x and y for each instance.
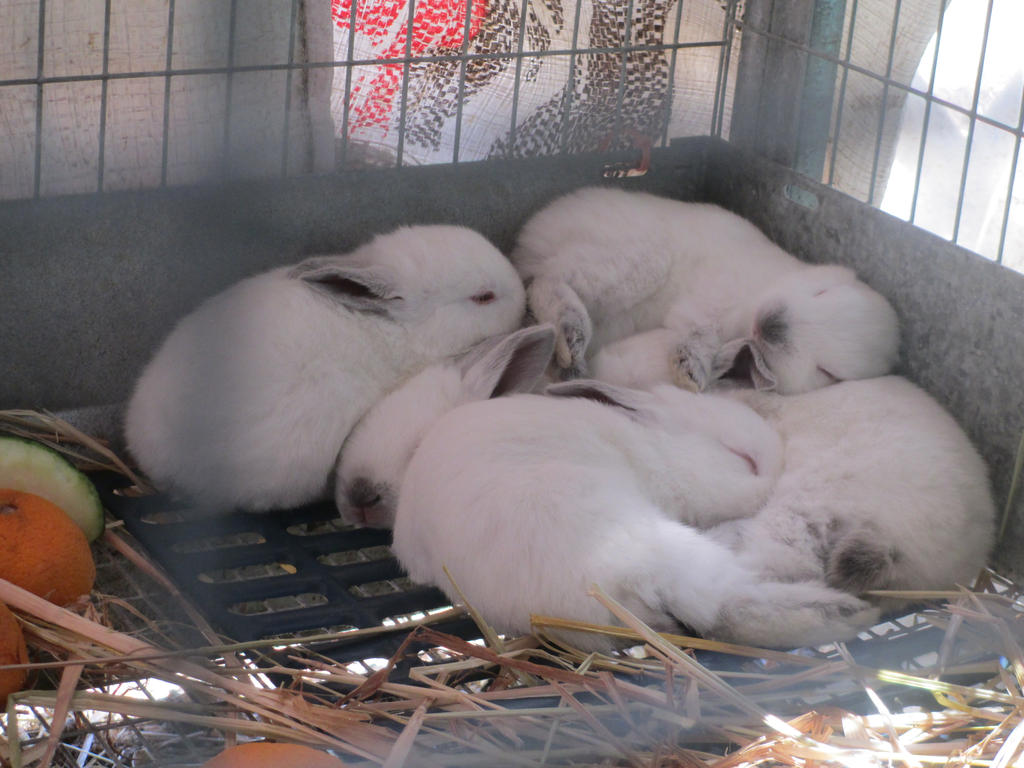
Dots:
(881, 490)
(602, 264)
(640, 361)
(250, 398)
(528, 500)
(376, 453)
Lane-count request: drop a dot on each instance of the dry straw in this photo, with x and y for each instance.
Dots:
(84, 451)
(664, 707)
(943, 687)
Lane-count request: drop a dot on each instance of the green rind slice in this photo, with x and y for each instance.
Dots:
(34, 468)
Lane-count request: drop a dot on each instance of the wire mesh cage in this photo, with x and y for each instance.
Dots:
(106, 96)
(913, 106)
(154, 151)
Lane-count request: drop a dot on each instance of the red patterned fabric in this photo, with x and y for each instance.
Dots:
(496, 103)
(438, 26)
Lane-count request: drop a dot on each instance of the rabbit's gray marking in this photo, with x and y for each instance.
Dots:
(860, 564)
(772, 327)
(881, 489)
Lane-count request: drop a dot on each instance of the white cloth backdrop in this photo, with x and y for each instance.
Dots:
(551, 112)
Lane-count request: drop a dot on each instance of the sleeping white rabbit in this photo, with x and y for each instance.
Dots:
(881, 490)
(528, 500)
(251, 396)
(376, 453)
(602, 264)
(640, 361)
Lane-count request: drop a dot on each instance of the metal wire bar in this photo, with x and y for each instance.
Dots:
(37, 168)
(108, 751)
(346, 105)
(927, 114)
(570, 88)
(672, 71)
(466, 29)
(718, 114)
(167, 93)
(103, 96)
(885, 101)
(971, 124)
(889, 81)
(845, 64)
(288, 87)
(724, 59)
(404, 107)
(819, 86)
(371, 62)
(41, 80)
(520, 45)
(971, 112)
(620, 94)
(228, 87)
(1010, 182)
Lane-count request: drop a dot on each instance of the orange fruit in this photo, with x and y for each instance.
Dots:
(267, 754)
(30, 466)
(42, 550)
(12, 651)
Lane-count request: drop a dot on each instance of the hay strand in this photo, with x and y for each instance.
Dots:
(62, 705)
(1011, 495)
(84, 451)
(537, 704)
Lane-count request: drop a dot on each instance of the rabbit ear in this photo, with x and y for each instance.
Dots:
(760, 374)
(363, 289)
(607, 394)
(742, 359)
(514, 364)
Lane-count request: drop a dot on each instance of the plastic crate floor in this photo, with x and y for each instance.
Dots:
(282, 573)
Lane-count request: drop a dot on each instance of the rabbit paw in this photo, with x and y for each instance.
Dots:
(688, 372)
(789, 615)
(571, 345)
(574, 371)
(692, 360)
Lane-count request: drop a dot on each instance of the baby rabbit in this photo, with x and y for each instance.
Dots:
(640, 361)
(377, 452)
(602, 264)
(881, 490)
(528, 500)
(250, 398)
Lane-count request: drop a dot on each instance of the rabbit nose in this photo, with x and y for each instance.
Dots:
(362, 494)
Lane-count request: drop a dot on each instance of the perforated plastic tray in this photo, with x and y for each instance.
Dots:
(282, 573)
(293, 572)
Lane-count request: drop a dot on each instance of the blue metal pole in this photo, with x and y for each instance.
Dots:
(819, 87)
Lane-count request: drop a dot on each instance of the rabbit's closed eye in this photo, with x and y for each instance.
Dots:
(832, 378)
